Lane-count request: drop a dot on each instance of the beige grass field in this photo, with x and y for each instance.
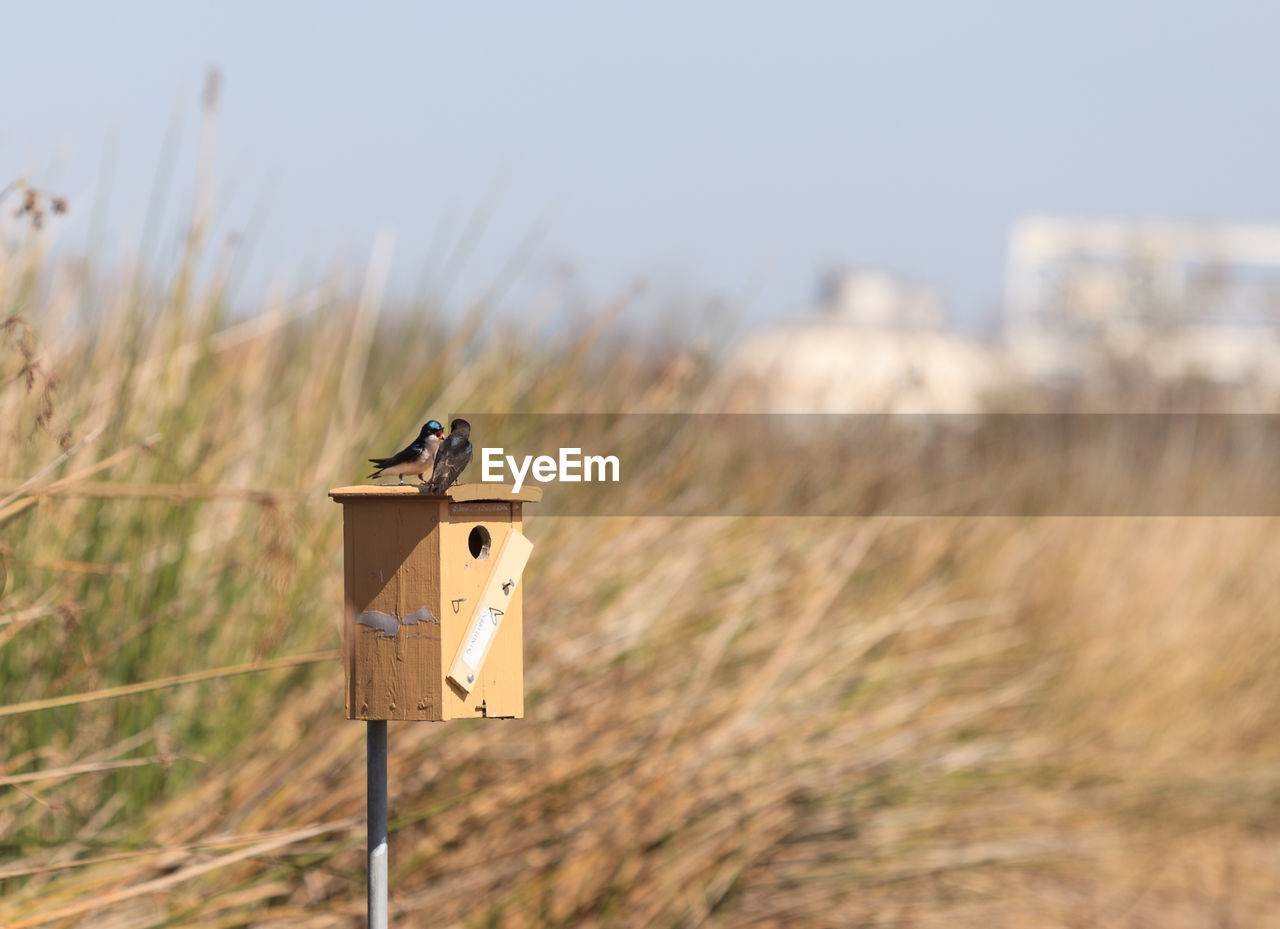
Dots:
(986, 722)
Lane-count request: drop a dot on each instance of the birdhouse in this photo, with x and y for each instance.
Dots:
(433, 625)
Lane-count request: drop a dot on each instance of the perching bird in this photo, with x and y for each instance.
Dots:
(453, 455)
(416, 458)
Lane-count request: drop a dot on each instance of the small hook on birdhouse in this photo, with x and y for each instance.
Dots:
(456, 602)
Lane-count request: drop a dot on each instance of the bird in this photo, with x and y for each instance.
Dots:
(415, 458)
(452, 457)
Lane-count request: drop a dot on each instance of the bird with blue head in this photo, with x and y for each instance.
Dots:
(418, 457)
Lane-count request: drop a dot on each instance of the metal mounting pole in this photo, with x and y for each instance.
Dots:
(377, 817)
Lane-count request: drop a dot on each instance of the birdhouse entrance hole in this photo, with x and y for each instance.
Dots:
(478, 541)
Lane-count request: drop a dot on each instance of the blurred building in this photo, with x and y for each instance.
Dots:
(1181, 300)
(878, 299)
(874, 343)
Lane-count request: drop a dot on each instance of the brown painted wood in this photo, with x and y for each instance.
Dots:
(404, 550)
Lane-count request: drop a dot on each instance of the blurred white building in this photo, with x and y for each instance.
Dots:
(1183, 300)
(877, 299)
(875, 343)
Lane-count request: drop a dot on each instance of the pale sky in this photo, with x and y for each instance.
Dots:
(729, 150)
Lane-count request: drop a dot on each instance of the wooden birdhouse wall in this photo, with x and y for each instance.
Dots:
(405, 550)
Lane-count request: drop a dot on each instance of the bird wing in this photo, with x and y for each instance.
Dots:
(450, 462)
(408, 453)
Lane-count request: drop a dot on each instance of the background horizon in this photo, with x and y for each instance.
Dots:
(725, 155)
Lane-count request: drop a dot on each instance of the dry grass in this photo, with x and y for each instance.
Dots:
(731, 721)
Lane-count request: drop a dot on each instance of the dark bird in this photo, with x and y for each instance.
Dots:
(416, 458)
(452, 457)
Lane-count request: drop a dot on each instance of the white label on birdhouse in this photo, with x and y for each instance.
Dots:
(482, 628)
(480, 640)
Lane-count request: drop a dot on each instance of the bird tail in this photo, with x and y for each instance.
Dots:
(380, 462)
(377, 473)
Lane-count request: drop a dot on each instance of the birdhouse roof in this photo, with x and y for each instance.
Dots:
(459, 493)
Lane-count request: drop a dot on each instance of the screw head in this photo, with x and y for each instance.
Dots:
(470, 678)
